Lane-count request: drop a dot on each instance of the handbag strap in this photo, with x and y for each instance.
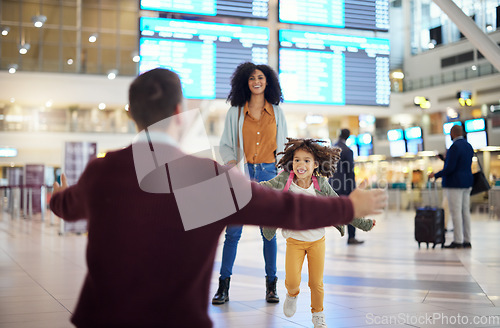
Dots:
(238, 133)
(478, 162)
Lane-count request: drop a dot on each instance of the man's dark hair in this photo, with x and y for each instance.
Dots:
(344, 134)
(240, 93)
(154, 96)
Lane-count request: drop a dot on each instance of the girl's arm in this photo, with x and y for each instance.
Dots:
(363, 224)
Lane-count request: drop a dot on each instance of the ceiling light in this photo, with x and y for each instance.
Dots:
(473, 67)
(23, 48)
(5, 30)
(135, 57)
(398, 75)
(39, 20)
(112, 74)
(70, 61)
(93, 38)
(422, 102)
(13, 68)
(102, 106)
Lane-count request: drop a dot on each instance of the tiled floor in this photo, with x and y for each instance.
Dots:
(386, 282)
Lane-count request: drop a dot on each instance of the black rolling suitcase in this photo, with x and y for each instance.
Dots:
(429, 224)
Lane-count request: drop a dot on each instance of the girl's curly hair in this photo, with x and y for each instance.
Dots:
(240, 93)
(327, 157)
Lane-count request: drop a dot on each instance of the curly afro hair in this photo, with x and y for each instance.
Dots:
(240, 93)
(327, 157)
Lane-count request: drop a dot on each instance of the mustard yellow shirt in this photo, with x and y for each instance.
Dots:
(259, 136)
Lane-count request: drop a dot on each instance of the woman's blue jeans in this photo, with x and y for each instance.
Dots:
(257, 172)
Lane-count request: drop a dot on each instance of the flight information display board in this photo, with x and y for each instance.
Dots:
(237, 8)
(203, 54)
(356, 14)
(320, 68)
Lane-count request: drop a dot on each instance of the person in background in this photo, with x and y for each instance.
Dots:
(457, 184)
(255, 129)
(448, 224)
(144, 268)
(306, 165)
(343, 180)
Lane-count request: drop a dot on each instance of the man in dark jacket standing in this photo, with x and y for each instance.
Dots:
(457, 183)
(343, 181)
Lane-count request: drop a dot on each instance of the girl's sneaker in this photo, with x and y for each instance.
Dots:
(290, 305)
(319, 320)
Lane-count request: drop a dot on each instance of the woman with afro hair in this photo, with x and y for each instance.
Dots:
(255, 132)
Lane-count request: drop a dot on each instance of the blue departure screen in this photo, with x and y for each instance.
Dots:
(356, 14)
(203, 54)
(320, 68)
(237, 8)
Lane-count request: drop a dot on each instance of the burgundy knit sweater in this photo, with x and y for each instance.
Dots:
(144, 269)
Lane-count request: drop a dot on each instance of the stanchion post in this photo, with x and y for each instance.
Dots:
(10, 203)
(17, 203)
(25, 201)
(43, 201)
(30, 202)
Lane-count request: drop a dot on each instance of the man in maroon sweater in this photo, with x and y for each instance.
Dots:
(144, 268)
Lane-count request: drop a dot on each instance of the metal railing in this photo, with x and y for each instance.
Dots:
(460, 74)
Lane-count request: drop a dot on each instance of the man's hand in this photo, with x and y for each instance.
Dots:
(431, 175)
(64, 184)
(368, 202)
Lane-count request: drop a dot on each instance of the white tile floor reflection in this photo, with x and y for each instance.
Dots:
(386, 282)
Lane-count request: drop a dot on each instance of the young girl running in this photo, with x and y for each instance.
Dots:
(306, 166)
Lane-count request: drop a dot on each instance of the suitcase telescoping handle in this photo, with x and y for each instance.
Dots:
(433, 200)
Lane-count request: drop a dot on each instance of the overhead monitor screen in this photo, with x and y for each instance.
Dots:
(414, 132)
(414, 141)
(365, 144)
(397, 145)
(330, 69)
(447, 126)
(397, 148)
(446, 130)
(351, 142)
(415, 145)
(478, 124)
(203, 54)
(355, 14)
(237, 8)
(394, 135)
(477, 139)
